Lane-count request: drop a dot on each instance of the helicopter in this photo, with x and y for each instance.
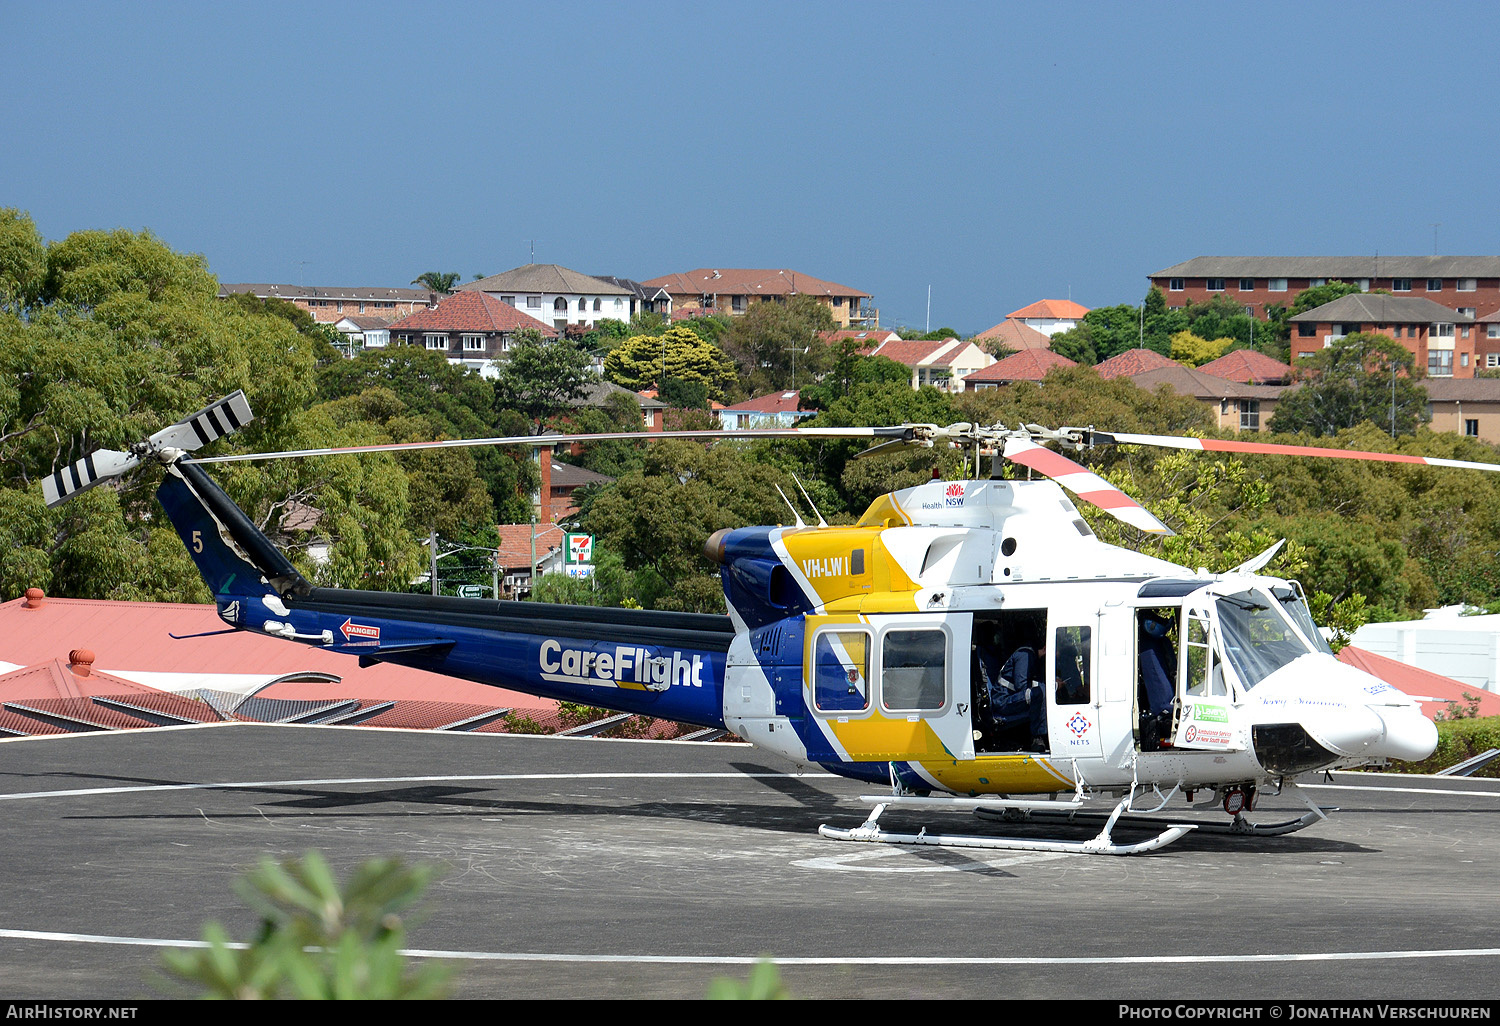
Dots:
(969, 646)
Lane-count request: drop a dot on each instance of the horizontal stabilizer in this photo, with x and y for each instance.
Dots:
(212, 422)
(98, 466)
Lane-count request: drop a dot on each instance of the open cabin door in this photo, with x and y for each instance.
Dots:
(1205, 707)
(892, 688)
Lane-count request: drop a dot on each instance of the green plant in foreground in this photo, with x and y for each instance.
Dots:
(764, 984)
(317, 940)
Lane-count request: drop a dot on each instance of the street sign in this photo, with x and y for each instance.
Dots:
(580, 570)
(471, 591)
(580, 548)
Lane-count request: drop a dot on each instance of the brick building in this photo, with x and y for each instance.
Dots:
(1442, 341)
(329, 304)
(1464, 284)
(733, 290)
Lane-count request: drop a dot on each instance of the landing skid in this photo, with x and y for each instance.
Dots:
(1239, 825)
(1101, 844)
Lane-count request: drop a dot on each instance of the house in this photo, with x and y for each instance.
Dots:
(1132, 362)
(775, 410)
(328, 304)
(598, 395)
(365, 332)
(1464, 284)
(868, 338)
(469, 328)
(1028, 365)
(1249, 366)
(942, 363)
(1442, 341)
(1468, 406)
(1049, 316)
(1436, 693)
(649, 300)
(1465, 648)
(1017, 336)
(557, 295)
(732, 291)
(1235, 406)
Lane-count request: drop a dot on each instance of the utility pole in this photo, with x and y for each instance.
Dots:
(432, 543)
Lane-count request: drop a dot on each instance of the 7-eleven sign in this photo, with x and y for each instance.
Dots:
(580, 548)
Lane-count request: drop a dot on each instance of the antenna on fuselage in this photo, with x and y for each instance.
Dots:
(811, 505)
(789, 506)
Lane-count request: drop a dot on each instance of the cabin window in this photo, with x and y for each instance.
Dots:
(1072, 650)
(1204, 676)
(841, 671)
(914, 670)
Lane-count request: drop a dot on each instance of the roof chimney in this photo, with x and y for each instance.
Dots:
(81, 662)
(35, 598)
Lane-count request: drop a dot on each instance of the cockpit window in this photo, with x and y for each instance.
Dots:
(1295, 607)
(1258, 641)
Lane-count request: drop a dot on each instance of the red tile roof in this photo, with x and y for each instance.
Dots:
(737, 281)
(774, 402)
(135, 636)
(1133, 361)
(477, 312)
(872, 337)
(1248, 366)
(1031, 365)
(1420, 683)
(1017, 335)
(1051, 309)
(515, 543)
(926, 353)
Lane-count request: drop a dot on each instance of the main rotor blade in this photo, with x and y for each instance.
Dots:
(1084, 483)
(1272, 449)
(454, 443)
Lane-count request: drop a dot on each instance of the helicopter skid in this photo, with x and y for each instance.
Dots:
(1101, 844)
(1238, 826)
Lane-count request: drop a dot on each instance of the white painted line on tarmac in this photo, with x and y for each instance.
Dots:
(1398, 790)
(324, 782)
(908, 959)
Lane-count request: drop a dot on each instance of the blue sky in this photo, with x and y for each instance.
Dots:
(997, 153)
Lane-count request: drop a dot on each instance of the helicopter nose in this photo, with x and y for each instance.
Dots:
(1348, 730)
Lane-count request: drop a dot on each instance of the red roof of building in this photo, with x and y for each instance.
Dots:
(1249, 366)
(1420, 683)
(1031, 365)
(137, 636)
(915, 352)
(1051, 309)
(872, 337)
(773, 402)
(477, 312)
(1016, 335)
(740, 281)
(515, 543)
(1133, 361)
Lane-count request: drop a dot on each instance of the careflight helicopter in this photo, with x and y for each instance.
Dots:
(966, 645)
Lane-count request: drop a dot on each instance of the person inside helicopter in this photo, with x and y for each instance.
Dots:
(1157, 665)
(1013, 712)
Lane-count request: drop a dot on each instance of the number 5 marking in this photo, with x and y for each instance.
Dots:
(197, 541)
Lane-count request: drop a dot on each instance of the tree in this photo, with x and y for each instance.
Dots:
(765, 338)
(1195, 351)
(23, 260)
(1361, 377)
(541, 377)
(441, 282)
(677, 353)
(1318, 295)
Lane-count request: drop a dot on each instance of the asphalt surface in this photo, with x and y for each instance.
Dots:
(602, 869)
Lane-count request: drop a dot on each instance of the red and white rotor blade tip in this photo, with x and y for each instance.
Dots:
(1272, 449)
(1085, 484)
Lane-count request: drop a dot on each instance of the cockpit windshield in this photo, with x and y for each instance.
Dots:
(1294, 605)
(1258, 638)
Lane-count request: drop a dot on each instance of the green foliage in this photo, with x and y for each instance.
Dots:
(441, 282)
(764, 984)
(1361, 377)
(318, 940)
(23, 260)
(1458, 740)
(1195, 351)
(763, 340)
(541, 377)
(679, 354)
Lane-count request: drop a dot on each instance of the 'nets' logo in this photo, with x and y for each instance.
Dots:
(955, 494)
